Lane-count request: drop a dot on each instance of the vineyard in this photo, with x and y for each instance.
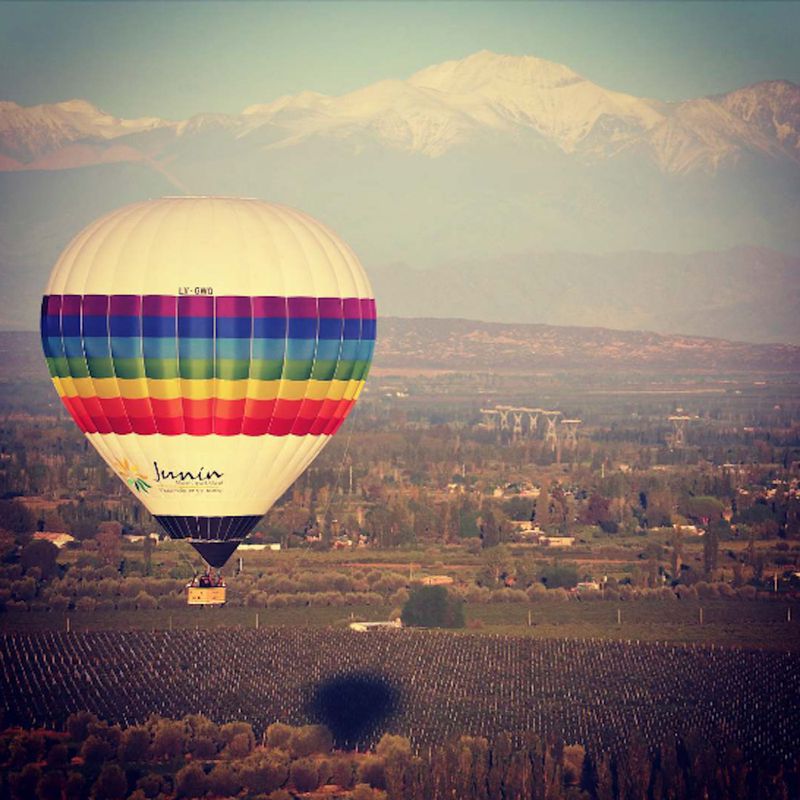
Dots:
(602, 694)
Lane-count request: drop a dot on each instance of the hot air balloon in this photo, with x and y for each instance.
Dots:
(208, 348)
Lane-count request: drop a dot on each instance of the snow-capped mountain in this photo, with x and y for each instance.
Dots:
(437, 110)
(28, 133)
(479, 179)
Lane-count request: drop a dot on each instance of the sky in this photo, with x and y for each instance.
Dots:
(180, 58)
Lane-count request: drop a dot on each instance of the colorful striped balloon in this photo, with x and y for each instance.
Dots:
(208, 348)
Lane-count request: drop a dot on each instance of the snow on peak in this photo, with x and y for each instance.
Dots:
(470, 74)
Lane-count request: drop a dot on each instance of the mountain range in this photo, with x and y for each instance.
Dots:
(468, 170)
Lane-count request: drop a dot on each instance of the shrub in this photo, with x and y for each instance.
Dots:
(239, 746)
(224, 781)
(78, 725)
(95, 750)
(343, 772)
(304, 775)
(145, 601)
(87, 604)
(191, 781)
(371, 771)
(310, 739)
(111, 784)
(364, 791)
(278, 735)
(135, 744)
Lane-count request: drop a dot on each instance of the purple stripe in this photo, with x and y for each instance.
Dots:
(70, 304)
(303, 307)
(233, 307)
(126, 305)
(196, 306)
(269, 307)
(368, 310)
(95, 305)
(330, 307)
(352, 308)
(159, 305)
(54, 305)
(206, 306)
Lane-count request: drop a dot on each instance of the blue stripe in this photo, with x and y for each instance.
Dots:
(269, 349)
(330, 328)
(158, 326)
(300, 349)
(128, 326)
(233, 348)
(196, 348)
(269, 328)
(73, 347)
(302, 328)
(95, 326)
(195, 327)
(328, 349)
(126, 347)
(96, 347)
(159, 347)
(71, 325)
(233, 327)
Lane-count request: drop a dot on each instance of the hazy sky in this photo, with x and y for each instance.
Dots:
(179, 58)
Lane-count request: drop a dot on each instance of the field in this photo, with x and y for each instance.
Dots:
(756, 624)
(601, 694)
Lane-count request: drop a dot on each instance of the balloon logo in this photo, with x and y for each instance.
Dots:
(208, 348)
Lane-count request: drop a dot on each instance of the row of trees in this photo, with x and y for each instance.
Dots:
(195, 758)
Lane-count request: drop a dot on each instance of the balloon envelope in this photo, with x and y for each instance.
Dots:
(208, 348)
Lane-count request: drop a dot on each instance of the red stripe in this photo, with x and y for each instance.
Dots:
(146, 416)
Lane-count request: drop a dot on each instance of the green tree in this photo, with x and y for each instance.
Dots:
(433, 607)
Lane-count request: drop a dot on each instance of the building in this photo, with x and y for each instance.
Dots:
(557, 541)
(436, 580)
(56, 538)
(364, 627)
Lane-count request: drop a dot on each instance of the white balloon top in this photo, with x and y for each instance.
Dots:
(230, 246)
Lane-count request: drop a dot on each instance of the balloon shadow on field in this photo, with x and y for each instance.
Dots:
(354, 706)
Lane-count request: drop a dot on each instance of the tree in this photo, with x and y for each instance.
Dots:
(493, 527)
(224, 781)
(109, 541)
(191, 781)
(168, 741)
(310, 739)
(433, 607)
(42, 555)
(111, 784)
(560, 575)
(16, 517)
(135, 744)
(304, 775)
(50, 786)
(711, 548)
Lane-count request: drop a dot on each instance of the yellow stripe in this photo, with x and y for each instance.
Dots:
(174, 388)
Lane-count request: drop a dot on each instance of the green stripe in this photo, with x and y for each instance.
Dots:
(161, 368)
(129, 368)
(232, 369)
(100, 367)
(201, 369)
(196, 368)
(77, 367)
(262, 369)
